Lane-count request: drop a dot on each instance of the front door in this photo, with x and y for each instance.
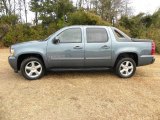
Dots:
(69, 52)
(97, 47)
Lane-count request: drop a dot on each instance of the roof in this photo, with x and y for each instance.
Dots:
(88, 26)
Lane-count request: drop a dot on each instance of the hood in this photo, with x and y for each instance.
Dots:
(29, 43)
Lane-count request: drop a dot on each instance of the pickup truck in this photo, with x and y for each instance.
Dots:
(82, 48)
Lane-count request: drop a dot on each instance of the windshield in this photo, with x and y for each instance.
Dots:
(48, 38)
(51, 36)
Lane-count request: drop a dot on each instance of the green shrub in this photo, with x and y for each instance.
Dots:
(140, 26)
(85, 18)
(10, 20)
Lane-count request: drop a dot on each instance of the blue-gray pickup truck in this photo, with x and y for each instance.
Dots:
(82, 48)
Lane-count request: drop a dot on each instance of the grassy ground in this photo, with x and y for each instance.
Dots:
(80, 95)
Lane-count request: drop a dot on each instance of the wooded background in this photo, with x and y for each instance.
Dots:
(51, 15)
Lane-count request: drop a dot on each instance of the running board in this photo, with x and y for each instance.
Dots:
(79, 69)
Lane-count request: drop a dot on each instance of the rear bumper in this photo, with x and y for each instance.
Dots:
(146, 60)
(13, 62)
(153, 60)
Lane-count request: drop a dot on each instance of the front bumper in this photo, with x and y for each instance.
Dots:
(13, 62)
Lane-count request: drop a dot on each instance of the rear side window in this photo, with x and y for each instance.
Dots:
(119, 35)
(96, 35)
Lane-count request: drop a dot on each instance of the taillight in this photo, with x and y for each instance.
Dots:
(153, 50)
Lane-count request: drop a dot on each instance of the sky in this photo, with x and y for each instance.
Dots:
(145, 6)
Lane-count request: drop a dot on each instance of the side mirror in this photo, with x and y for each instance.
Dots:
(56, 40)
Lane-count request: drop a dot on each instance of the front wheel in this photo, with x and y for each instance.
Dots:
(32, 68)
(126, 67)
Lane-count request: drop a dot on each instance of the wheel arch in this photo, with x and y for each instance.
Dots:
(27, 55)
(132, 55)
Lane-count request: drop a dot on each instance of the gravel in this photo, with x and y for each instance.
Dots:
(97, 95)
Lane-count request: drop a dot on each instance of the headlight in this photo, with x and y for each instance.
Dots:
(12, 52)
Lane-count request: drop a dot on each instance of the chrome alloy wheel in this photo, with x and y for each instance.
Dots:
(126, 68)
(33, 69)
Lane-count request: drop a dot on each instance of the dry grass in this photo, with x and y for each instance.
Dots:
(80, 95)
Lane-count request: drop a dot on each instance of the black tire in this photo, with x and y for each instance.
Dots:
(27, 61)
(120, 62)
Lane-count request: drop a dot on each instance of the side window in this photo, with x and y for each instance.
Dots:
(96, 35)
(119, 35)
(72, 35)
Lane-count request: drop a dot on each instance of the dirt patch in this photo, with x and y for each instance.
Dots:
(80, 95)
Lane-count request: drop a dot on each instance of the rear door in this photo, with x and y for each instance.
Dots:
(97, 47)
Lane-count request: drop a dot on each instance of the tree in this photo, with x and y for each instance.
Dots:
(20, 9)
(128, 9)
(107, 9)
(4, 2)
(25, 9)
(51, 10)
(34, 7)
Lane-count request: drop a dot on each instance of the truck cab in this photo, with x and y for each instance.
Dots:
(80, 46)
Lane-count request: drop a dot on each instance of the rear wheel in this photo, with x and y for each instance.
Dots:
(126, 67)
(32, 68)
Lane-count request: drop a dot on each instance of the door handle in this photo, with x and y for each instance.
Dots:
(78, 47)
(105, 47)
